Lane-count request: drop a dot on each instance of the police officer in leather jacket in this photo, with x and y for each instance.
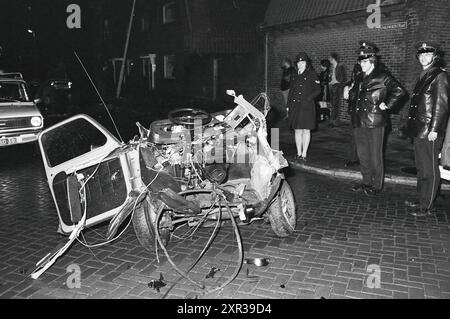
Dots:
(427, 120)
(374, 93)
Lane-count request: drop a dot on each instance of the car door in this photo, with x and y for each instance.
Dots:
(81, 147)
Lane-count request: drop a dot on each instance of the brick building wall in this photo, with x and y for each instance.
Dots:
(399, 31)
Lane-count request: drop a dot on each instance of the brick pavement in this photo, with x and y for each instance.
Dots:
(330, 147)
(339, 234)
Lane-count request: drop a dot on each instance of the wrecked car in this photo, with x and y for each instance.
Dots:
(194, 169)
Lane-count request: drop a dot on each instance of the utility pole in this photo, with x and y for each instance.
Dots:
(35, 58)
(122, 69)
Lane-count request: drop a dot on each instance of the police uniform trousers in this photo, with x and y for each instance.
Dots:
(336, 92)
(428, 174)
(369, 146)
(352, 149)
(285, 94)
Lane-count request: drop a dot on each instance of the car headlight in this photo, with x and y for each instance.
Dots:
(69, 84)
(36, 121)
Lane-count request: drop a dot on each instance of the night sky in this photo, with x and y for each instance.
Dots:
(54, 42)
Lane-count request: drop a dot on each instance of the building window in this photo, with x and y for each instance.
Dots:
(169, 66)
(169, 12)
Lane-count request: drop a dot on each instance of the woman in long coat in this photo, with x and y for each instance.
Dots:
(305, 87)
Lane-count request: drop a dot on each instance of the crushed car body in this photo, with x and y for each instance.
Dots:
(194, 169)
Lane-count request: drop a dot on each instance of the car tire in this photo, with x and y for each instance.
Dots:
(144, 225)
(281, 212)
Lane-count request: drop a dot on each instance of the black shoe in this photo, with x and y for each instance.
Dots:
(421, 212)
(351, 163)
(412, 204)
(298, 158)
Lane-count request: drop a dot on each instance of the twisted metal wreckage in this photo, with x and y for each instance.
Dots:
(193, 170)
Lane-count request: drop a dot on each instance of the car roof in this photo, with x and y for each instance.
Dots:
(11, 75)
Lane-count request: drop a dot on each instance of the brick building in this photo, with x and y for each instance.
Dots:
(197, 49)
(185, 48)
(323, 26)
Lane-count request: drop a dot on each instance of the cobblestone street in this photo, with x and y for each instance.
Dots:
(341, 238)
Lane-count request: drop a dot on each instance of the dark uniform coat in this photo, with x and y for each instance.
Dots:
(286, 77)
(324, 78)
(301, 100)
(428, 113)
(369, 92)
(429, 104)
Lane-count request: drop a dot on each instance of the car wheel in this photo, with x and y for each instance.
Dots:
(281, 212)
(144, 225)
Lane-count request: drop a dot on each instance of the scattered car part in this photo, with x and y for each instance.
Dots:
(157, 284)
(212, 272)
(258, 262)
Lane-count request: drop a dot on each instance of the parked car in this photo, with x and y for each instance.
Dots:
(192, 170)
(20, 119)
(55, 96)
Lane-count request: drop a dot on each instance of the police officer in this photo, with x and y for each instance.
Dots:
(427, 120)
(304, 89)
(374, 93)
(354, 160)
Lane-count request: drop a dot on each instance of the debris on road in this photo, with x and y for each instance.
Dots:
(258, 262)
(157, 284)
(212, 272)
